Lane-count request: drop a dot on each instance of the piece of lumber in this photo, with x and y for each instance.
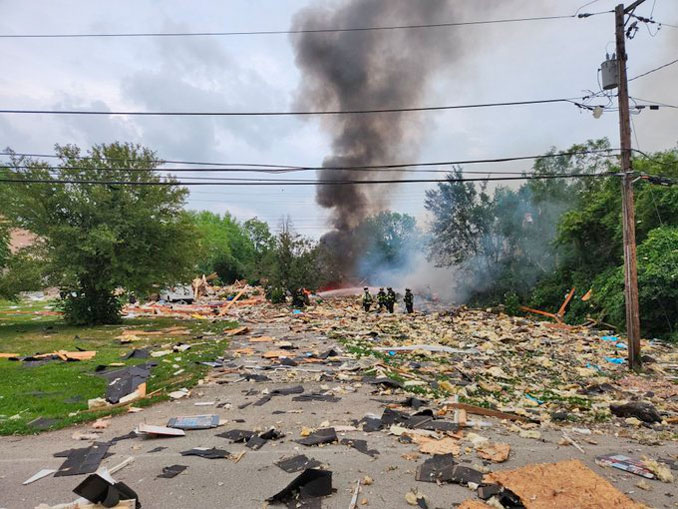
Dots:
(488, 412)
(561, 311)
(539, 312)
(225, 309)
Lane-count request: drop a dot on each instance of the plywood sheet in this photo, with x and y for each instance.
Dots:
(562, 485)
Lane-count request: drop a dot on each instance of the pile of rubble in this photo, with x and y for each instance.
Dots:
(449, 384)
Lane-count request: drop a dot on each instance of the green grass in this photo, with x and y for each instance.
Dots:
(60, 390)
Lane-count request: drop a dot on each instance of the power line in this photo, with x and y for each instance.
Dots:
(156, 161)
(300, 182)
(300, 31)
(652, 103)
(246, 170)
(374, 167)
(655, 69)
(283, 113)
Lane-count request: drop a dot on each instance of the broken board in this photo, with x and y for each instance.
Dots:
(562, 485)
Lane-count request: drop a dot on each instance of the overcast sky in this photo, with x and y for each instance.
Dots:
(517, 61)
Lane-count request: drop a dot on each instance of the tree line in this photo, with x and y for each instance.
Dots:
(505, 245)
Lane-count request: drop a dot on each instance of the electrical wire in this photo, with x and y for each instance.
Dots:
(374, 167)
(283, 113)
(654, 103)
(154, 161)
(299, 31)
(585, 5)
(261, 182)
(655, 69)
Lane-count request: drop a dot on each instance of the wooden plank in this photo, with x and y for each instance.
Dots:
(561, 311)
(538, 312)
(488, 412)
(225, 309)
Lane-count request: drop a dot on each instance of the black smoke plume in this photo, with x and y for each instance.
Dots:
(368, 70)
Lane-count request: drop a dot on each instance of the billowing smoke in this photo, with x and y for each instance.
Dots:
(368, 70)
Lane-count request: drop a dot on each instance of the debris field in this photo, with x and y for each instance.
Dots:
(329, 406)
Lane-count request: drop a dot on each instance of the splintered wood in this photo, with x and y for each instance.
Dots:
(563, 485)
(496, 453)
(262, 339)
(473, 504)
(445, 445)
(136, 335)
(237, 332)
(488, 412)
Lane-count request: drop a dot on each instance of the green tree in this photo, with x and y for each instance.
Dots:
(657, 285)
(225, 246)
(462, 216)
(294, 261)
(504, 242)
(260, 236)
(387, 240)
(590, 239)
(96, 238)
(263, 243)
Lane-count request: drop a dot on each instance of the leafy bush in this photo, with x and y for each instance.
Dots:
(512, 303)
(85, 309)
(276, 295)
(657, 285)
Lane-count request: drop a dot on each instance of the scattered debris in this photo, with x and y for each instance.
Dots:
(360, 445)
(237, 331)
(311, 484)
(297, 464)
(488, 412)
(82, 461)
(565, 485)
(127, 384)
(194, 422)
(446, 445)
(181, 393)
(496, 452)
(354, 499)
(660, 470)
(171, 471)
(237, 435)
(644, 411)
(80, 435)
(415, 499)
(36, 477)
(101, 423)
(137, 354)
(322, 436)
(625, 463)
(438, 468)
(159, 431)
(102, 489)
(209, 454)
(327, 398)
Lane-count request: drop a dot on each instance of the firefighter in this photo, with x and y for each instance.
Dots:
(367, 300)
(381, 299)
(390, 299)
(409, 300)
(300, 298)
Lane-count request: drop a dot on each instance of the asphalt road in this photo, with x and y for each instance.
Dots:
(248, 482)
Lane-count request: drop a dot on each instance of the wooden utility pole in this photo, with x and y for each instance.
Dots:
(628, 211)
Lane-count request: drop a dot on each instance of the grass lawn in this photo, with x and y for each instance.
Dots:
(60, 390)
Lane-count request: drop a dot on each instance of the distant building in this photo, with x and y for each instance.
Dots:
(20, 238)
